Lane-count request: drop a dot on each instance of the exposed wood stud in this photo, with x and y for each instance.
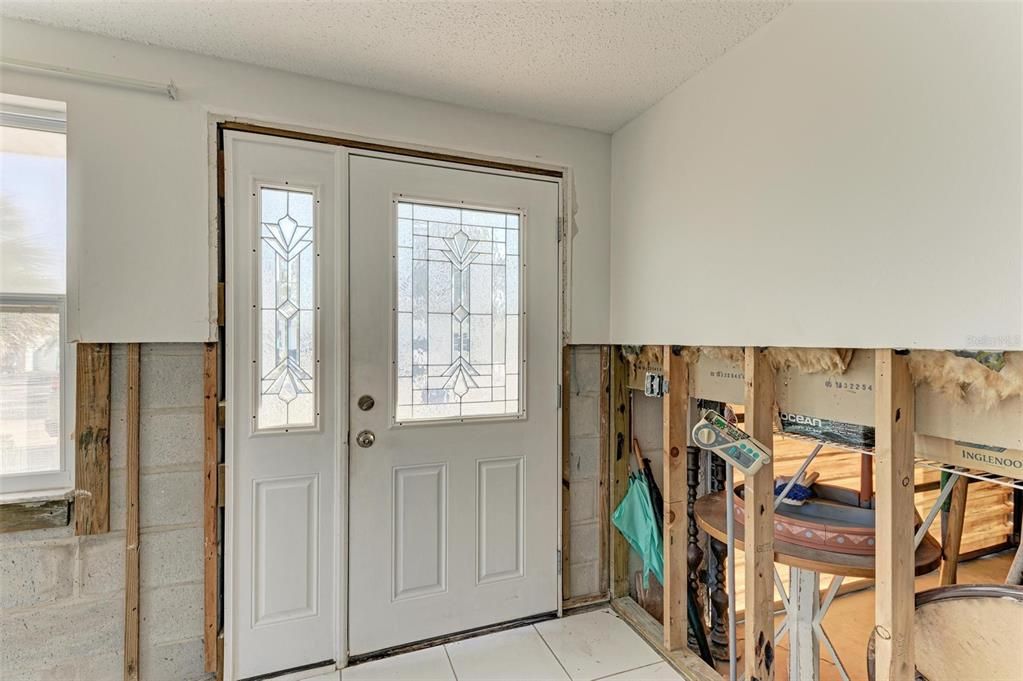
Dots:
(953, 531)
(618, 455)
(675, 405)
(92, 439)
(759, 526)
(211, 499)
(603, 493)
(131, 548)
(893, 460)
(566, 529)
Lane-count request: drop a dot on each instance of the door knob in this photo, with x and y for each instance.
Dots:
(365, 438)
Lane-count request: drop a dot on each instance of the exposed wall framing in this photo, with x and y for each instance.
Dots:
(211, 496)
(92, 439)
(890, 405)
(131, 536)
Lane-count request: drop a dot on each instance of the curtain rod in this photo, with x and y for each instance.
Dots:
(166, 90)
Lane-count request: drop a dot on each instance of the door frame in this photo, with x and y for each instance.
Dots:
(220, 224)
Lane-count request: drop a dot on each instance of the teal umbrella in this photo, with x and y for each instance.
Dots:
(634, 518)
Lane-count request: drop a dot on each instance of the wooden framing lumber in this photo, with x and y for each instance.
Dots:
(35, 514)
(685, 662)
(893, 453)
(211, 495)
(759, 525)
(604, 490)
(92, 439)
(953, 531)
(566, 487)
(618, 455)
(131, 539)
(676, 421)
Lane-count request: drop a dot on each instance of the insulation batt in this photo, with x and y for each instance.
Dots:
(810, 360)
(965, 379)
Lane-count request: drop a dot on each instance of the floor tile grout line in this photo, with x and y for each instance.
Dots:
(450, 663)
(554, 654)
(626, 671)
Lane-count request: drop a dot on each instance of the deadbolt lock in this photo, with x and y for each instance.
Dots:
(366, 402)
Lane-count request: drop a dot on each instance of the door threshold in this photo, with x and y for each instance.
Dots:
(295, 673)
(450, 638)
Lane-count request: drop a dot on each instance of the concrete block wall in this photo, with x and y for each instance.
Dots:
(585, 460)
(62, 597)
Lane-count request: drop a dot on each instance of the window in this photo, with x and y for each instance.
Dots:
(287, 310)
(457, 313)
(35, 404)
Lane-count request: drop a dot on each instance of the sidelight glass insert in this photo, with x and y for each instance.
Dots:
(286, 357)
(457, 313)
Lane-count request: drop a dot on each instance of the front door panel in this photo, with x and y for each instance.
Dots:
(454, 337)
(286, 294)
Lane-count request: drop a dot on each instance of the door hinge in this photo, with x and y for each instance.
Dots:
(222, 414)
(559, 561)
(559, 395)
(561, 227)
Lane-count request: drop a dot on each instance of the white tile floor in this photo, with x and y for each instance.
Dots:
(593, 645)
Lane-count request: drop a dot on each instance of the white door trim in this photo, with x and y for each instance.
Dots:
(218, 222)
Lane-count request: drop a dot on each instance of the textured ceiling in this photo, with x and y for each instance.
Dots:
(588, 64)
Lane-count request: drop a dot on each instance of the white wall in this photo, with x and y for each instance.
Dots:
(138, 192)
(847, 176)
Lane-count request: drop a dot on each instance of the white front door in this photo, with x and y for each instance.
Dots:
(286, 293)
(454, 404)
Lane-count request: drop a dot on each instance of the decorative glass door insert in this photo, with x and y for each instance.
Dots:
(458, 313)
(287, 354)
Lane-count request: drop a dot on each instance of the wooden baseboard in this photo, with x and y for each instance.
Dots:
(686, 662)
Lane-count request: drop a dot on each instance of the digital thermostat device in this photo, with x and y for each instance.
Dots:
(713, 432)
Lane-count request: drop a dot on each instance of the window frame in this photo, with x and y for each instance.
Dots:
(62, 479)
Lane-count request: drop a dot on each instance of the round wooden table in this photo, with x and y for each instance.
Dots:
(804, 607)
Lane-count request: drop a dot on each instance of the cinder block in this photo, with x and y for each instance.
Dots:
(171, 557)
(178, 661)
(62, 672)
(101, 563)
(582, 501)
(118, 376)
(583, 579)
(584, 458)
(36, 573)
(585, 370)
(118, 479)
(584, 416)
(45, 637)
(171, 498)
(118, 438)
(171, 438)
(33, 536)
(584, 543)
(171, 613)
(172, 375)
(102, 667)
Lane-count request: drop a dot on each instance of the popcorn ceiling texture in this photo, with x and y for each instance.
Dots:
(62, 596)
(964, 379)
(592, 65)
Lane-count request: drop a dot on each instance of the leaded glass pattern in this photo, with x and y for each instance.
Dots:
(287, 310)
(458, 317)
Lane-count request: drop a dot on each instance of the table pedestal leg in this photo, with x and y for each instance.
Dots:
(804, 602)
